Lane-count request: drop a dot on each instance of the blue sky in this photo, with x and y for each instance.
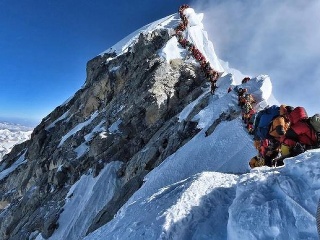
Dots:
(45, 46)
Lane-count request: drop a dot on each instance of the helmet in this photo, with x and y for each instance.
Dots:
(289, 109)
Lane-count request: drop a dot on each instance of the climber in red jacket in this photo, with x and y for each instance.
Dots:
(301, 135)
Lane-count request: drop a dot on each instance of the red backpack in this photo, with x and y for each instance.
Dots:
(297, 114)
(305, 132)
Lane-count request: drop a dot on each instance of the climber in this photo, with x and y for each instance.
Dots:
(279, 127)
(246, 102)
(183, 42)
(209, 72)
(241, 99)
(261, 146)
(245, 80)
(213, 87)
(302, 135)
(285, 110)
(198, 55)
(263, 120)
(268, 149)
(182, 8)
(245, 98)
(213, 79)
(256, 161)
(205, 66)
(180, 28)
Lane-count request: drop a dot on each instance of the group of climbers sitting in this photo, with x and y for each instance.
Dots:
(279, 131)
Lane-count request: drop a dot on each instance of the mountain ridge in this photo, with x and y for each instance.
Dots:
(58, 153)
(128, 156)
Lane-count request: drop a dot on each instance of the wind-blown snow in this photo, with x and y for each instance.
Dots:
(205, 190)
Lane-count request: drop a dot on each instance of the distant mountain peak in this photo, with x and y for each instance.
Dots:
(12, 134)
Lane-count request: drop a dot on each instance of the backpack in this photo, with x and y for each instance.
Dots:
(297, 114)
(318, 139)
(267, 115)
(315, 122)
(305, 134)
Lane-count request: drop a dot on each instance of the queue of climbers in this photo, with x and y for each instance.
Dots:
(278, 131)
(209, 72)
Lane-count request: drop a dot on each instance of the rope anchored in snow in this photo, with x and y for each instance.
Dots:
(211, 74)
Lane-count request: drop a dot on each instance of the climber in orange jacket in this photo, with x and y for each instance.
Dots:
(279, 127)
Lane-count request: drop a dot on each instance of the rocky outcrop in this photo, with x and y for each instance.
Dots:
(126, 111)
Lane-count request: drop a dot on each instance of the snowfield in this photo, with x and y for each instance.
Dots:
(10, 135)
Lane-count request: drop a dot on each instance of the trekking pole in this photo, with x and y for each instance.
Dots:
(274, 166)
(275, 161)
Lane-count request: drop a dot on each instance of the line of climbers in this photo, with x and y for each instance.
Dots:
(278, 131)
(209, 72)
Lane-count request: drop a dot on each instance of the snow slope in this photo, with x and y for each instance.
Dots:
(205, 190)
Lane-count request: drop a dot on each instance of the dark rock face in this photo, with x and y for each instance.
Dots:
(128, 103)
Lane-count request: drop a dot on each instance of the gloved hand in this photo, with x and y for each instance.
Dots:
(298, 148)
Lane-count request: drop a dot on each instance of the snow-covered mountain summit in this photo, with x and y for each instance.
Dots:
(144, 151)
